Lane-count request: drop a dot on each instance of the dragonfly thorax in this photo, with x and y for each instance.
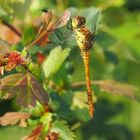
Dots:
(78, 21)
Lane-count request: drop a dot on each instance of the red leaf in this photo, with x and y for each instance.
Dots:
(40, 58)
(8, 85)
(9, 60)
(12, 118)
(52, 136)
(35, 133)
(50, 23)
(14, 59)
(26, 87)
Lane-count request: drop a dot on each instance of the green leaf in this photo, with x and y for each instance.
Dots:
(27, 88)
(111, 56)
(63, 130)
(105, 40)
(54, 61)
(24, 53)
(20, 8)
(2, 12)
(46, 119)
(37, 110)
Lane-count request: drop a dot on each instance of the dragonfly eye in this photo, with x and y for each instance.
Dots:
(78, 21)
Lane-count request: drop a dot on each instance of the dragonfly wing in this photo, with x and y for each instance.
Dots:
(93, 26)
(63, 37)
(63, 20)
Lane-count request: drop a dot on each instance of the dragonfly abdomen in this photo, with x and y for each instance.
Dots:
(86, 57)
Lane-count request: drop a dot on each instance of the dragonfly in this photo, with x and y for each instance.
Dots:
(84, 40)
(80, 35)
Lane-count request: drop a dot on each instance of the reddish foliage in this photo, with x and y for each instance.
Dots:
(35, 133)
(40, 58)
(12, 118)
(14, 60)
(50, 23)
(26, 87)
(9, 61)
(52, 136)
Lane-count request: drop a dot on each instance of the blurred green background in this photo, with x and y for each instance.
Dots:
(116, 55)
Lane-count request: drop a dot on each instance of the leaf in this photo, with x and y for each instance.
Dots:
(52, 136)
(122, 89)
(46, 120)
(54, 61)
(20, 7)
(27, 88)
(111, 56)
(30, 91)
(12, 118)
(62, 129)
(37, 110)
(8, 86)
(105, 40)
(35, 133)
(2, 12)
(80, 99)
(49, 25)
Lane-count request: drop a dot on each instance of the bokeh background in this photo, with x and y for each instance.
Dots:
(116, 55)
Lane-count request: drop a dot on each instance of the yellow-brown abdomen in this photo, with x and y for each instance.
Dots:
(86, 57)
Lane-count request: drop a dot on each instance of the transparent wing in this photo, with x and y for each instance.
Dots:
(92, 17)
(91, 14)
(63, 36)
(63, 20)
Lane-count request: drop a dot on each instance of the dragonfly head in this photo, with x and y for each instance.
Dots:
(78, 21)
